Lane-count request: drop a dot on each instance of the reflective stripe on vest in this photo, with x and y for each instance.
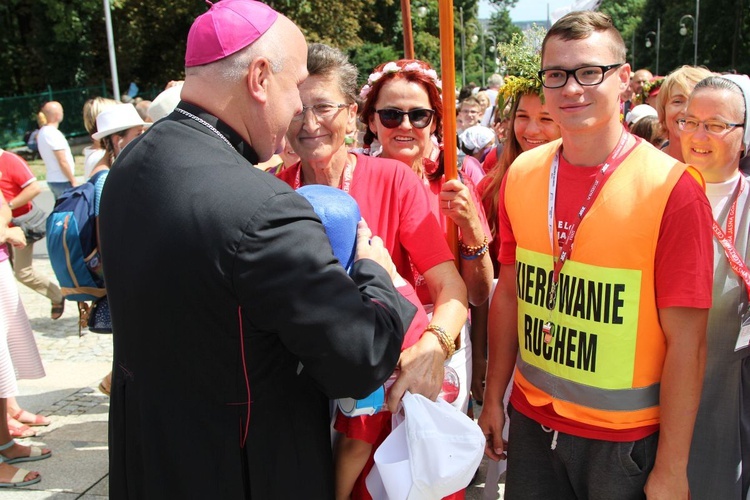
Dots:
(590, 397)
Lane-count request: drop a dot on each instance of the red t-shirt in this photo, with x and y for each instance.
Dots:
(396, 207)
(15, 177)
(680, 247)
(490, 160)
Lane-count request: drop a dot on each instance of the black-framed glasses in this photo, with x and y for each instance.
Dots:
(714, 127)
(392, 118)
(320, 110)
(586, 76)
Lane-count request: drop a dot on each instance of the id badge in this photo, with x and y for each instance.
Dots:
(743, 339)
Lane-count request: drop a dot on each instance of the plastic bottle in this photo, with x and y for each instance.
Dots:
(376, 402)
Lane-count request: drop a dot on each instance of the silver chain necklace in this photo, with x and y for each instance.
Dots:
(205, 124)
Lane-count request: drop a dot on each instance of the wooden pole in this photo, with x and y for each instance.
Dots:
(448, 75)
(408, 34)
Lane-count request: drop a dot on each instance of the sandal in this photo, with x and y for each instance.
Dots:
(57, 310)
(19, 430)
(19, 479)
(35, 453)
(31, 419)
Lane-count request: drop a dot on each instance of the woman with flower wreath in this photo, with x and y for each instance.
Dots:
(397, 209)
(529, 126)
(403, 110)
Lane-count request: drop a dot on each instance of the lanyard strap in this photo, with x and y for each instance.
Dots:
(610, 165)
(346, 178)
(727, 241)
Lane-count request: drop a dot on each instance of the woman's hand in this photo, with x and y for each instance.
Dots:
(421, 371)
(372, 247)
(456, 202)
(14, 236)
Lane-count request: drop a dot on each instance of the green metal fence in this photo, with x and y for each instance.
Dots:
(18, 114)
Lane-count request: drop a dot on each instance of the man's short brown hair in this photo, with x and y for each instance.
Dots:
(581, 24)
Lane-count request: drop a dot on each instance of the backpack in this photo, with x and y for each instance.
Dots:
(73, 247)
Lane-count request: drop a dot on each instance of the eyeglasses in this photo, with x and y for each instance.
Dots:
(586, 76)
(392, 118)
(321, 110)
(713, 127)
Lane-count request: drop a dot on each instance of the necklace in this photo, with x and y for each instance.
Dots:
(205, 124)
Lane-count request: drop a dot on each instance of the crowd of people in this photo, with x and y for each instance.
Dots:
(597, 311)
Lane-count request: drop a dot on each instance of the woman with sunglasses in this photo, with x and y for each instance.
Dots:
(403, 110)
(396, 207)
(714, 137)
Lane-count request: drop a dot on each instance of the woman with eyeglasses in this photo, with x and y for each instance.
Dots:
(396, 208)
(714, 137)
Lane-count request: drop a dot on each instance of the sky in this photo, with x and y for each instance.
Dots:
(525, 10)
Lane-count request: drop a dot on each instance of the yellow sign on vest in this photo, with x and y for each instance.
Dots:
(595, 320)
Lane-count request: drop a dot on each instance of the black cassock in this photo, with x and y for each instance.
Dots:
(193, 237)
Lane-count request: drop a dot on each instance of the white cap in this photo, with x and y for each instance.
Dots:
(116, 119)
(165, 102)
(433, 453)
(743, 82)
(638, 112)
(476, 138)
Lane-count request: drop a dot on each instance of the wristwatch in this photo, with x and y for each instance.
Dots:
(10, 204)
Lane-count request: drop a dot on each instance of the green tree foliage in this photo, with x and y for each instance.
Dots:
(369, 55)
(63, 43)
(626, 15)
(325, 21)
(723, 35)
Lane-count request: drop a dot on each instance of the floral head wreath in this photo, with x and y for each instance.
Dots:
(393, 67)
(651, 86)
(523, 60)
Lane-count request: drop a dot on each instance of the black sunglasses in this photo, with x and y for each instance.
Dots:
(392, 118)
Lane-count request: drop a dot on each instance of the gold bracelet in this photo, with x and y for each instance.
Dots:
(446, 342)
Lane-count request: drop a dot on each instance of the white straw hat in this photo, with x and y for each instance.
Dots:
(165, 103)
(116, 119)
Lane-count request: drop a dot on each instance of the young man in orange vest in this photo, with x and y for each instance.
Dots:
(603, 295)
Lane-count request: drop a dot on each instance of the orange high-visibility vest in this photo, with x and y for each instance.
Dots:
(604, 363)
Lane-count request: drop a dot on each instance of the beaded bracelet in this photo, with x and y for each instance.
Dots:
(472, 250)
(476, 255)
(446, 342)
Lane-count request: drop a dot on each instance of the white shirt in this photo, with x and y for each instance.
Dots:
(49, 140)
(91, 158)
(719, 194)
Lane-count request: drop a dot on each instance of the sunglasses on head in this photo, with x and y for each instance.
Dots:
(392, 118)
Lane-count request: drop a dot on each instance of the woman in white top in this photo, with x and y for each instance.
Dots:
(714, 136)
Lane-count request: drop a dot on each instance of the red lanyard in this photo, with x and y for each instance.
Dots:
(610, 165)
(727, 241)
(346, 178)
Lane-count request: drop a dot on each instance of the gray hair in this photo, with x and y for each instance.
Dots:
(721, 83)
(324, 60)
(494, 80)
(233, 67)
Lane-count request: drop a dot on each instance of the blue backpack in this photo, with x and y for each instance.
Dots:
(72, 243)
